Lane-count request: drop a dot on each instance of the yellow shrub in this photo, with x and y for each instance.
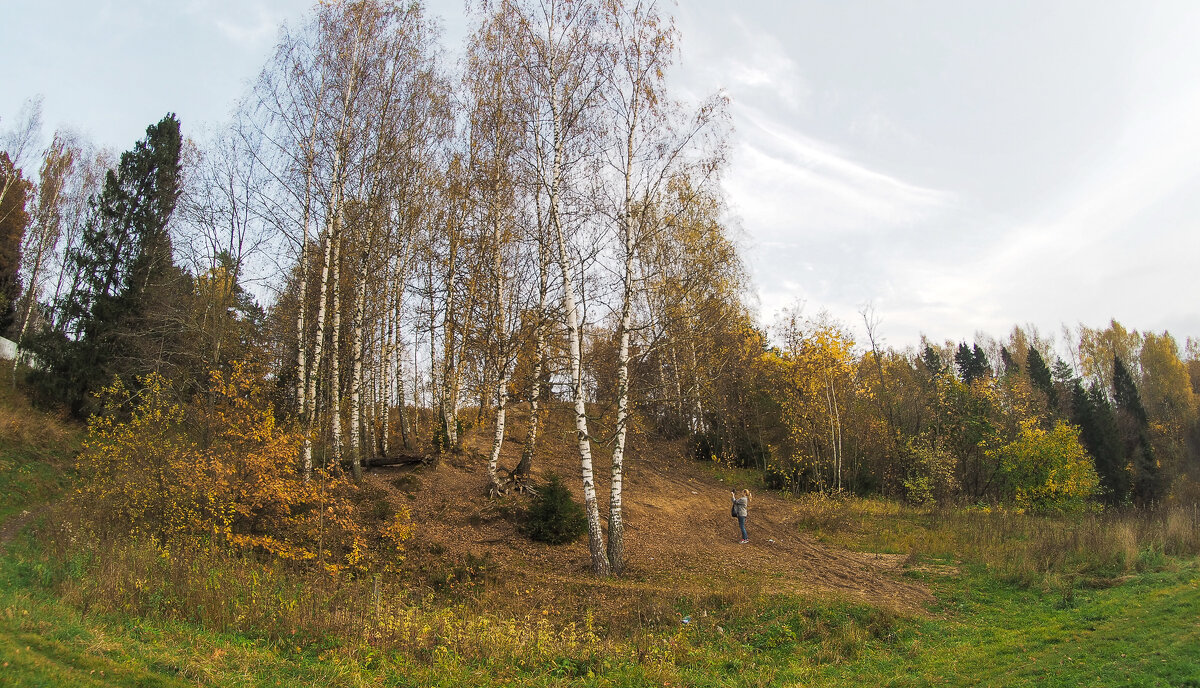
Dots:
(221, 472)
(1048, 470)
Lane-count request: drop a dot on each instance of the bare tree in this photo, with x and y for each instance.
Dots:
(37, 250)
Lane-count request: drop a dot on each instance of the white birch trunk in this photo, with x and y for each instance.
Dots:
(539, 361)
(600, 563)
(356, 378)
(335, 402)
(501, 359)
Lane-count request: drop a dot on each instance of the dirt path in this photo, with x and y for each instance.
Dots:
(13, 524)
(679, 532)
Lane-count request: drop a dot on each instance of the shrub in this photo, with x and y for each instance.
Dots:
(930, 476)
(554, 517)
(1048, 470)
(219, 471)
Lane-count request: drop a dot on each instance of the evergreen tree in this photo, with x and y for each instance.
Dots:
(1039, 373)
(972, 363)
(1011, 367)
(981, 366)
(1063, 373)
(932, 361)
(1147, 483)
(117, 320)
(1093, 414)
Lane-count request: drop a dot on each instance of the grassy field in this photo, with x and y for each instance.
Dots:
(1096, 600)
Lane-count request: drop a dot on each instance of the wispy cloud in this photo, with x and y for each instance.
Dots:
(779, 172)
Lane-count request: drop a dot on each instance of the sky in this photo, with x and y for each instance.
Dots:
(961, 167)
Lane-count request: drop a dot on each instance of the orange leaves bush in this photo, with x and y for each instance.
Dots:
(220, 471)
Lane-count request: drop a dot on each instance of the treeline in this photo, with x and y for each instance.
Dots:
(1110, 420)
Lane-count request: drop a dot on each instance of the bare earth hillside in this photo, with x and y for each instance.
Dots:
(679, 534)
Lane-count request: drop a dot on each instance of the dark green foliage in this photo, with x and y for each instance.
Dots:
(121, 315)
(932, 361)
(1039, 373)
(1062, 372)
(972, 363)
(14, 219)
(743, 450)
(1135, 428)
(1093, 414)
(1126, 394)
(1011, 367)
(554, 517)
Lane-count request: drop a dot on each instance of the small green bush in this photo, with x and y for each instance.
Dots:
(554, 517)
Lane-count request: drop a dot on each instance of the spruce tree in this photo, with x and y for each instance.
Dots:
(1093, 414)
(972, 363)
(981, 366)
(932, 361)
(964, 361)
(1039, 374)
(1135, 424)
(116, 320)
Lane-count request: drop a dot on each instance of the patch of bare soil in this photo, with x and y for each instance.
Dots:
(679, 534)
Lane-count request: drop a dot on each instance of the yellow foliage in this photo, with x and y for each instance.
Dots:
(221, 472)
(1048, 470)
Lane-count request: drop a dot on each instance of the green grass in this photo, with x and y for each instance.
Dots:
(1141, 632)
(1021, 601)
(35, 452)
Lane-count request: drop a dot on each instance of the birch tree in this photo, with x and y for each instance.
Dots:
(561, 65)
(58, 164)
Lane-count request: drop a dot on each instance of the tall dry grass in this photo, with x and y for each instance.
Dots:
(1024, 548)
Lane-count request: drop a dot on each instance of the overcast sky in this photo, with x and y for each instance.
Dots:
(963, 166)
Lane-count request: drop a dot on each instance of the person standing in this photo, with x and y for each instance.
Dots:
(741, 506)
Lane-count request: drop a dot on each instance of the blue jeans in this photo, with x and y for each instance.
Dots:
(742, 525)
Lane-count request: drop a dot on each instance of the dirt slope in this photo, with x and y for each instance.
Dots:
(679, 532)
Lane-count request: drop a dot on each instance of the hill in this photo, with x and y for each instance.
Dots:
(679, 535)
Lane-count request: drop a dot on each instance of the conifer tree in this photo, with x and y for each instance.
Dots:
(1093, 414)
(1039, 373)
(116, 320)
(972, 363)
(1147, 483)
(932, 361)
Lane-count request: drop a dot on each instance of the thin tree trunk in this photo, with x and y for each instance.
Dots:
(318, 351)
(384, 393)
(501, 356)
(357, 371)
(335, 403)
(600, 563)
(539, 361)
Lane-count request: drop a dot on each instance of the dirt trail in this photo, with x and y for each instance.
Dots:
(11, 526)
(678, 529)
